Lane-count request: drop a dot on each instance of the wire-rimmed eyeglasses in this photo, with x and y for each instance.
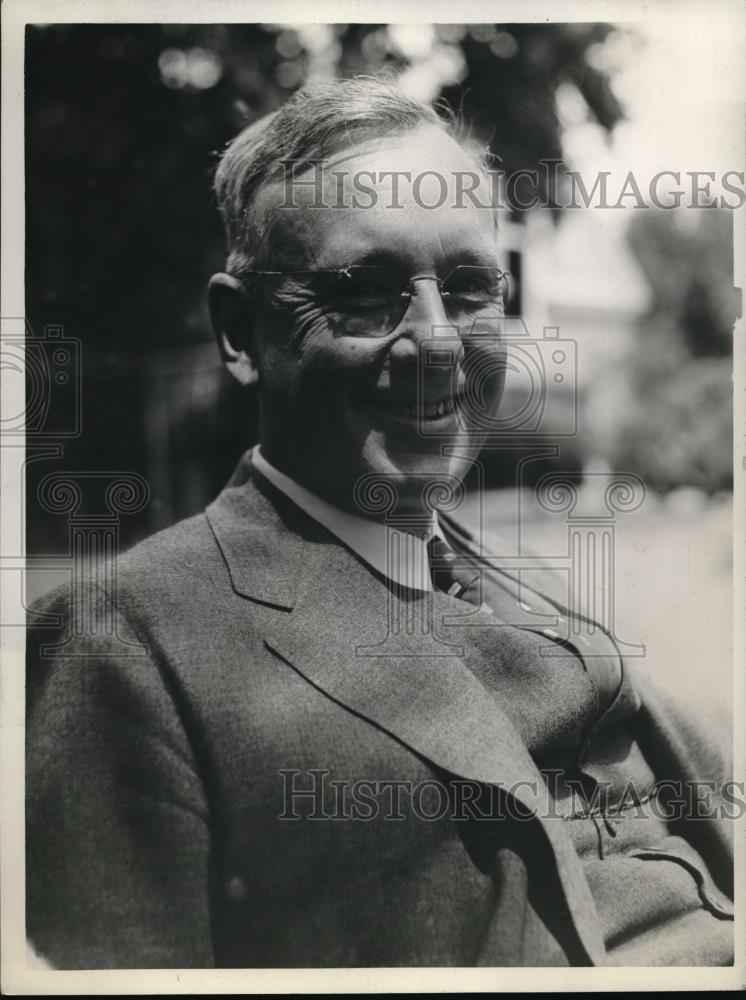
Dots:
(371, 300)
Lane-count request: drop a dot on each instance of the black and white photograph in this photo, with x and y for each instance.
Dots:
(373, 490)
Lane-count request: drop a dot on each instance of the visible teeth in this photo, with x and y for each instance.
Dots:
(424, 411)
(430, 411)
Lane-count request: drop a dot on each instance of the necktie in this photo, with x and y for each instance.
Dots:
(449, 574)
(454, 580)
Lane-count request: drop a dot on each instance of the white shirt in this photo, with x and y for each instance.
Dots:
(400, 556)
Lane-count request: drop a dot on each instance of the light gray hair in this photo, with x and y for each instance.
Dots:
(317, 121)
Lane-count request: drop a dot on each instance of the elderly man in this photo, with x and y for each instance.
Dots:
(322, 728)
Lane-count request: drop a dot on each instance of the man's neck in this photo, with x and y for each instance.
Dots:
(394, 547)
(371, 506)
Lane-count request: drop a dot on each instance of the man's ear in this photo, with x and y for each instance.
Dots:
(233, 320)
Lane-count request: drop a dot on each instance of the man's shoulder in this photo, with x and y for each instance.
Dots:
(183, 548)
(173, 571)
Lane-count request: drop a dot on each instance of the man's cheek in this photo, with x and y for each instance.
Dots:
(484, 366)
(334, 360)
(309, 325)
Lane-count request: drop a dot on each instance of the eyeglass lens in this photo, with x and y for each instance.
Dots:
(372, 301)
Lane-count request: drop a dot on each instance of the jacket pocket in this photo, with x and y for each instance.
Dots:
(681, 853)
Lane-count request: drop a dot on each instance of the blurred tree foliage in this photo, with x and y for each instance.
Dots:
(508, 93)
(124, 123)
(678, 429)
(123, 127)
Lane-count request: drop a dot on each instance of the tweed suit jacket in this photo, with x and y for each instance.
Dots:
(238, 653)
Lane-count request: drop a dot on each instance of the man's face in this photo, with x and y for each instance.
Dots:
(341, 394)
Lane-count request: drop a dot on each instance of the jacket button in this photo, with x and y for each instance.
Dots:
(236, 889)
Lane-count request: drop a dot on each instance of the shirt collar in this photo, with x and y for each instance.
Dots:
(400, 556)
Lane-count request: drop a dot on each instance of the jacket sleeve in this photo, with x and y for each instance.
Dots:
(692, 750)
(117, 836)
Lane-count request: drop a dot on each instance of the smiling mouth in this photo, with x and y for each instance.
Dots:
(415, 411)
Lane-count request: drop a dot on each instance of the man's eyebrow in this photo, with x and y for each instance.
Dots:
(372, 257)
(474, 257)
(377, 257)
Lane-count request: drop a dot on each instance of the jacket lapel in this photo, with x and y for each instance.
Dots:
(336, 635)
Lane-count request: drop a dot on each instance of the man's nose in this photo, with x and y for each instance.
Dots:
(424, 321)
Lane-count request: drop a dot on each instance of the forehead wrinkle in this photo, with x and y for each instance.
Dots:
(419, 148)
(306, 237)
(328, 238)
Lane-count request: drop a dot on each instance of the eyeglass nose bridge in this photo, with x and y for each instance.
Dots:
(407, 293)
